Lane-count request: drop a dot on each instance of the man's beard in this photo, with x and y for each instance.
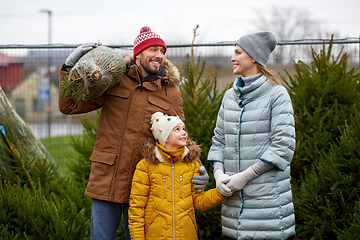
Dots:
(148, 68)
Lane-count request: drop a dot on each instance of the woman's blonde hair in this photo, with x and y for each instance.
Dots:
(268, 74)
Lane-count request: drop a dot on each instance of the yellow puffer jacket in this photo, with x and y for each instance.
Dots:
(163, 200)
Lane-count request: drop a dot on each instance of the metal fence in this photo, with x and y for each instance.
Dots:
(29, 75)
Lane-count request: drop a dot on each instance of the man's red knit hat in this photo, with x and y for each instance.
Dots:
(147, 39)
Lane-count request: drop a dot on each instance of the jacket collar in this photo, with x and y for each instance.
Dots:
(248, 88)
(161, 73)
(248, 93)
(160, 156)
(169, 74)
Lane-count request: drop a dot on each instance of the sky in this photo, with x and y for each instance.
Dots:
(119, 22)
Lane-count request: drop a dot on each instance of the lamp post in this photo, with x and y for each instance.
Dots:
(49, 14)
(48, 109)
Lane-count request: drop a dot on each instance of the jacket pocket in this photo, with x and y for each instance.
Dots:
(101, 173)
(155, 226)
(161, 103)
(187, 226)
(99, 156)
(118, 92)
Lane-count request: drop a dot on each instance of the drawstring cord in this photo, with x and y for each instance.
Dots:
(166, 82)
(142, 86)
(141, 80)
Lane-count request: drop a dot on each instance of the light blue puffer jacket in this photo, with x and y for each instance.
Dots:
(256, 122)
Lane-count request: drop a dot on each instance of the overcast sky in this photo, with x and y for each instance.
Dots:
(119, 22)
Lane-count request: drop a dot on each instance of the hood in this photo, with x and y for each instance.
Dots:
(193, 154)
(171, 71)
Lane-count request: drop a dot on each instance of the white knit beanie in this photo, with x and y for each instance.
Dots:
(258, 45)
(162, 125)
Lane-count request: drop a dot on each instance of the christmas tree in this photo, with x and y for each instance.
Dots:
(93, 74)
(20, 150)
(324, 95)
(202, 101)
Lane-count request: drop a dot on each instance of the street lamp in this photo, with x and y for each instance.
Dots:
(49, 73)
(49, 14)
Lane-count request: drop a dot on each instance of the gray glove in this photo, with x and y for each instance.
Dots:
(201, 180)
(78, 53)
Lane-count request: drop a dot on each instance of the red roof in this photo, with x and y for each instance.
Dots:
(6, 60)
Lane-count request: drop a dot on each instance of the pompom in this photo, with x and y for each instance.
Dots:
(156, 116)
(145, 29)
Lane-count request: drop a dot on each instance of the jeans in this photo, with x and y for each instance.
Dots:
(105, 219)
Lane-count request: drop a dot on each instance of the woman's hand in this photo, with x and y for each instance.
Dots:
(239, 180)
(221, 179)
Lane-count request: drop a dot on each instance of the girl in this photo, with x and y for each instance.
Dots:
(162, 199)
(253, 145)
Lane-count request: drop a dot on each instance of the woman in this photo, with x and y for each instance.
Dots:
(253, 145)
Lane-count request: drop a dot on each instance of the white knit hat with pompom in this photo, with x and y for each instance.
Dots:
(162, 125)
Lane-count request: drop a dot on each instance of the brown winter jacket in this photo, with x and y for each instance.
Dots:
(124, 126)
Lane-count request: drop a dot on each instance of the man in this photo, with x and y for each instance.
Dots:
(149, 84)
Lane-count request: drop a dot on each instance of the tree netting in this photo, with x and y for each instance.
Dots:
(17, 139)
(93, 74)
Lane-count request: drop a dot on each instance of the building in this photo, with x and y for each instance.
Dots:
(11, 72)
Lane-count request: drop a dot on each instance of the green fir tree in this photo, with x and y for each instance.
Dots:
(327, 203)
(323, 95)
(35, 201)
(201, 104)
(58, 210)
(79, 167)
(22, 157)
(325, 167)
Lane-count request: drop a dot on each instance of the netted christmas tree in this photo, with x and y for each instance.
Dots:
(93, 74)
(20, 150)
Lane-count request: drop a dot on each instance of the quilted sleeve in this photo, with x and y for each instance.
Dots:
(206, 200)
(216, 152)
(282, 147)
(138, 200)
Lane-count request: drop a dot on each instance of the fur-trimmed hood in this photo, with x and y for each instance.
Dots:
(191, 155)
(171, 71)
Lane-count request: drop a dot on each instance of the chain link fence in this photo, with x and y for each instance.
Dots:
(29, 76)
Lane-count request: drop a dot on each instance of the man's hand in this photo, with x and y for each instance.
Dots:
(78, 53)
(201, 180)
(221, 179)
(239, 180)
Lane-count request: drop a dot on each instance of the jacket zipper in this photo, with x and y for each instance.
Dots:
(173, 198)
(241, 191)
(242, 111)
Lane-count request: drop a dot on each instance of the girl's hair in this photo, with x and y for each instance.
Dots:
(268, 74)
